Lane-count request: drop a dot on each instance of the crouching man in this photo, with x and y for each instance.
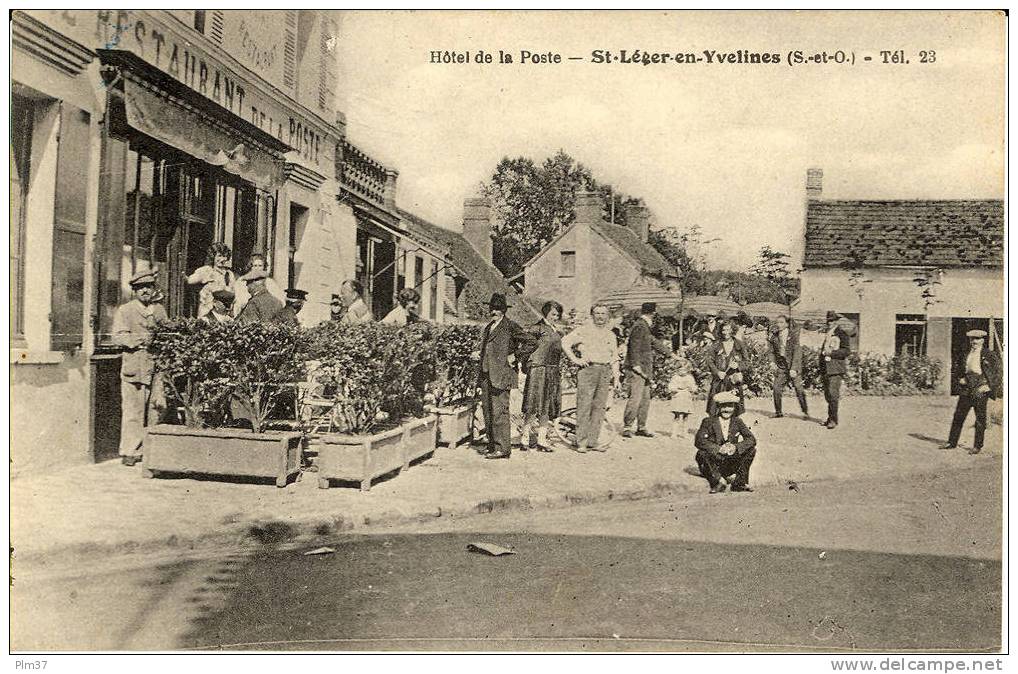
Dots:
(725, 447)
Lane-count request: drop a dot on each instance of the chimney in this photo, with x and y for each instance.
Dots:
(814, 183)
(389, 195)
(477, 225)
(589, 207)
(638, 219)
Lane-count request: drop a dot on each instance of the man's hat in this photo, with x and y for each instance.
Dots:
(726, 398)
(976, 334)
(256, 275)
(648, 307)
(294, 294)
(497, 302)
(833, 316)
(743, 318)
(335, 299)
(223, 295)
(144, 276)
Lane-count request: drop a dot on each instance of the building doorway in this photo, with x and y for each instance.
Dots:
(960, 343)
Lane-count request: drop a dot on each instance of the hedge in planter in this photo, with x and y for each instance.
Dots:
(451, 391)
(210, 367)
(374, 375)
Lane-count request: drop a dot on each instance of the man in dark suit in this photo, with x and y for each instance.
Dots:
(262, 307)
(833, 353)
(501, 340)
(295, 300)
(787, 353)
(640, 371)
(725, 447)
(982, 379)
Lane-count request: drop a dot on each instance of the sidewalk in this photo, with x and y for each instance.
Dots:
(108, 509)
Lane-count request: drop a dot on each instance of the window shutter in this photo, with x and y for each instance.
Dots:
(290, 49)
(214, 28)
(68, 297)
(327, 68)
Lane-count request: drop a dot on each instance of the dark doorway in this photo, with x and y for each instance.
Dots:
(106, 407)
(384, 281)
(960, 343)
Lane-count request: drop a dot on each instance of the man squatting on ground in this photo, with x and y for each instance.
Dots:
(725, 447)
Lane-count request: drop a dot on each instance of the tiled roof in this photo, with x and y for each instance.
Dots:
(651, 261)
(481, 274)
(948, 233)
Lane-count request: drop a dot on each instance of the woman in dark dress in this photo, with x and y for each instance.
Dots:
(542, 393)
(727, 361)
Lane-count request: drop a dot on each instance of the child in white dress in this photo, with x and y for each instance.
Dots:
(682, 386)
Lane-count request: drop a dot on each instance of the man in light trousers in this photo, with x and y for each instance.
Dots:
(598, 359)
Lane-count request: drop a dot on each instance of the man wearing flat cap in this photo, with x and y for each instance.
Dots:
(981, 380)
(725, 447)
(833, 352)
(639, 367)
(262, 307)
(141, 388)
(295, 300)
(222, 307)
(502, 339)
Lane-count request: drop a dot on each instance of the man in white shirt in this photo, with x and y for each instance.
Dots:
(982, 379)
(356, 310)
(599, 362)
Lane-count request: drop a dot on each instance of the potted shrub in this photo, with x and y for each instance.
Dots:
(451, 393)
(222, 374)
(373, 376)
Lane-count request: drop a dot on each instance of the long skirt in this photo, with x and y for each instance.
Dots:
(542, 394)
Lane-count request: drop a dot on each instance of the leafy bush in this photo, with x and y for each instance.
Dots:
(455, 373)
(206, 366)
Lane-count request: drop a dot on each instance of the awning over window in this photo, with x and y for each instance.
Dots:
(177, 125)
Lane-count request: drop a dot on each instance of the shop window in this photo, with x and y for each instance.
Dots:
(22, 112)
(298, 221)
(910, 335)
(68, 278)
(567, 264)
(418, 273)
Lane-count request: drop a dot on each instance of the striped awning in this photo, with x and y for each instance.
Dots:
(710, 305)
(633, 298)
(768, 310)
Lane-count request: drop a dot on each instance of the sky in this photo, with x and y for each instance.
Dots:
(722, 146)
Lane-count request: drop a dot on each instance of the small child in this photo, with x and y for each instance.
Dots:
(682, 386)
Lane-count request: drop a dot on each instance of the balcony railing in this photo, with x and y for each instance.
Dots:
(362, 175)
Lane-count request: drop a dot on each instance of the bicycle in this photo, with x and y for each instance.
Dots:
(563, 428)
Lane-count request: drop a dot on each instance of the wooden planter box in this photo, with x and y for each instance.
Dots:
(362, 458)
(453, 424)
(221, 451)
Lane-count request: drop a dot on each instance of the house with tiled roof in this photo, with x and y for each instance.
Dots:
(915, 275)
(466, 277)
(592, 258)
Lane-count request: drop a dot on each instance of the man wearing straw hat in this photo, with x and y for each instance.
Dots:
(141, 388)
(981, 380)
(725, 447)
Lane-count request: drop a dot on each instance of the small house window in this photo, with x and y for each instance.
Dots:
(910, 335)
(567, 263)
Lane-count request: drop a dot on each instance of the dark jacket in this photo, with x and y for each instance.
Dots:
(506, 339)
(708, 437)
(641, 347)
(792, 358)
(546, 344)
(286, 316)
(992, 368)
(834, 363)
(720, 362)
(261, 308)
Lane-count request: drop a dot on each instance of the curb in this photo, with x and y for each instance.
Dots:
(268, 534)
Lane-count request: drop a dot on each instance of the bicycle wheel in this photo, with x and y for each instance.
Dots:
(563, 428)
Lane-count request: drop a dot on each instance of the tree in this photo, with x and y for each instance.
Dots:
(927, 282)
(533, 203)
(773, 265)
(682, 249)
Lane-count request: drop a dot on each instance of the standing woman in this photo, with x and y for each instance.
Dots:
(542, 394)
(727, 360)
(214, 275)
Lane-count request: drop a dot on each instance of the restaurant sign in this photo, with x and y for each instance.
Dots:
(163, 46)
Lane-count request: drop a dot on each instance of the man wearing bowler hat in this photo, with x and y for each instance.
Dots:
(833, 353)
(501, 340)
(141, 389)
(295, 300)
(981, 380)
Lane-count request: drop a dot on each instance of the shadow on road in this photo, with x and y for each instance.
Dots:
(582, 593)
